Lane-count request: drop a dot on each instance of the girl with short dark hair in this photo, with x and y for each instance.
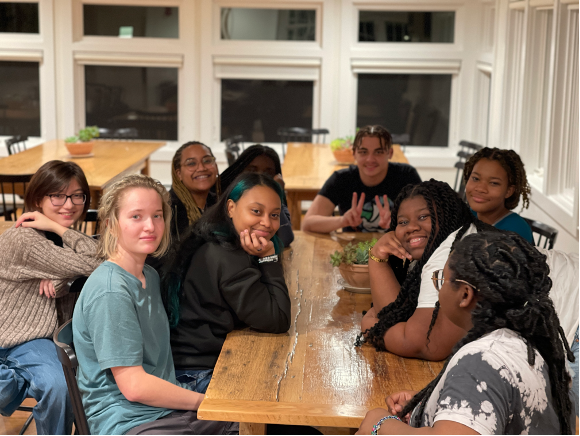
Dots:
(38, 257)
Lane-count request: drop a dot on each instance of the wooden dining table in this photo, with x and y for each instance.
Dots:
(110, 161)
(305, 169)
(313, 375)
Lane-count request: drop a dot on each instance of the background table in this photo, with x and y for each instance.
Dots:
(313, 375)
(306, 167)
(111, 161)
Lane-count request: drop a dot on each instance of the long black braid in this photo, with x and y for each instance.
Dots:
(513, 292)
(448, 213)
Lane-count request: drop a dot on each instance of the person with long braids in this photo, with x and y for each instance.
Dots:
(508, 374)
(495, 180)
(225, 275)
(195, 185)
(259, 158)
(426, 220)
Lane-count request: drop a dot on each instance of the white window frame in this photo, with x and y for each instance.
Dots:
(36, 48)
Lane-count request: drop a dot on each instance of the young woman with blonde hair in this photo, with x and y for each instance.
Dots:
(121, 332)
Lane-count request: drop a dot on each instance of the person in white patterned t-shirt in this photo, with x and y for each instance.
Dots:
(508, 374)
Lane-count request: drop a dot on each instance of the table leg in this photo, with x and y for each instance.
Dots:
(145, 169)
(252, 428)
(294, 206)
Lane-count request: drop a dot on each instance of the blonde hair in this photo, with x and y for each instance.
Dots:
(109, 213)
(193, 210)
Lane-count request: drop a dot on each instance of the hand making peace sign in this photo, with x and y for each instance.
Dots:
(384, 212)
(352, 217)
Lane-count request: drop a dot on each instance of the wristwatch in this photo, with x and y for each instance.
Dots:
(271, 258)
(375, 258)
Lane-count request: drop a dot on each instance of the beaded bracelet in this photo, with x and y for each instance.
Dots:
(377, 426)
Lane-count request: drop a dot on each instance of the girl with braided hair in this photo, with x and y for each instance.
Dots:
(195, 185)
(427, 219)
(508, 374)
(494, 182)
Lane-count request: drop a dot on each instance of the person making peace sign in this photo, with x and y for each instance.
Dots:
(372, 178)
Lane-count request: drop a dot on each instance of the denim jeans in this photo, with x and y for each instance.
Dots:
(32, 369)
(574, 368)
(197, 379)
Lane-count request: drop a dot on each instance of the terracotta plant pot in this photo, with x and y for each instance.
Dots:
(344, 155)
(79, 148)
(355, 275)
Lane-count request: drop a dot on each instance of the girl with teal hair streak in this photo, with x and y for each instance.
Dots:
(226, 274)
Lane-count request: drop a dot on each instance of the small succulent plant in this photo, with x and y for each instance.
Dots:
(357, 254)
(84, 135)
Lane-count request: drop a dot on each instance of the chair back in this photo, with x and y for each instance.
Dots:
(91, 217)
(544, 235)
(293, 134)
(16, 144)
(317, 133)
(12, 187)
(459, 185)
(63, 339)
(233, 144)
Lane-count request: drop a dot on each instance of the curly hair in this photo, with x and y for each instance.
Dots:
(511, 162)
(448, 213)
(513, 292)
(385, 138)
(193, 210)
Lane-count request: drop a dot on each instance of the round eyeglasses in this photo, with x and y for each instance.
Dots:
(60, 199)
(191, 164)
(438, 280)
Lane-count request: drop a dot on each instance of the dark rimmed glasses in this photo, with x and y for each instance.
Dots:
(60, 199)
(438, 280)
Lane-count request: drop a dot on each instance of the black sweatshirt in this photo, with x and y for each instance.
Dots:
(224, 290)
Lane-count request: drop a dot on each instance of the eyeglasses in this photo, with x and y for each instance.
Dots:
(438, 280)
(60, 199)
(193, 163)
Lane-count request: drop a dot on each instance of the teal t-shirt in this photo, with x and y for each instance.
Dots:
(118, 323)
(514, 223)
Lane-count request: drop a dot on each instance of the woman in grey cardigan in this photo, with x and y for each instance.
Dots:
(38, 256)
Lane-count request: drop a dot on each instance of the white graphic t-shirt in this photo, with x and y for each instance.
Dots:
(490, 387)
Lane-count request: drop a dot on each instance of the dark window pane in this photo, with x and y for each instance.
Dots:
(19, 17)
(141, 99)
(137, 21)
(268, 24)
(386, 26)
(19, 98)
(257, 108)
(414, 107)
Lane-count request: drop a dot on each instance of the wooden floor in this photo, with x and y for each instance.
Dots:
(13, 424)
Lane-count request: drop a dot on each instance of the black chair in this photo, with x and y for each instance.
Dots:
(12, 186)
(28, 421)
(16, 144)
(293, 134)
(233, 148)
(468, 149)
(91, 217)
(459, 185)
(546, 234)
(317, 133)
(63, 338)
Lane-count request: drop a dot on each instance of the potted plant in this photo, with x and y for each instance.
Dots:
(353, 263)
(81, 144)
(342, 149)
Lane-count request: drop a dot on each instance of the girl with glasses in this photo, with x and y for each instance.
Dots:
(121, 334)
(38, 257)
(508, 374)
(195, 185)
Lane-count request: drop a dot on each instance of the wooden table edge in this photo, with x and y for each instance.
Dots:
(269, 412)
